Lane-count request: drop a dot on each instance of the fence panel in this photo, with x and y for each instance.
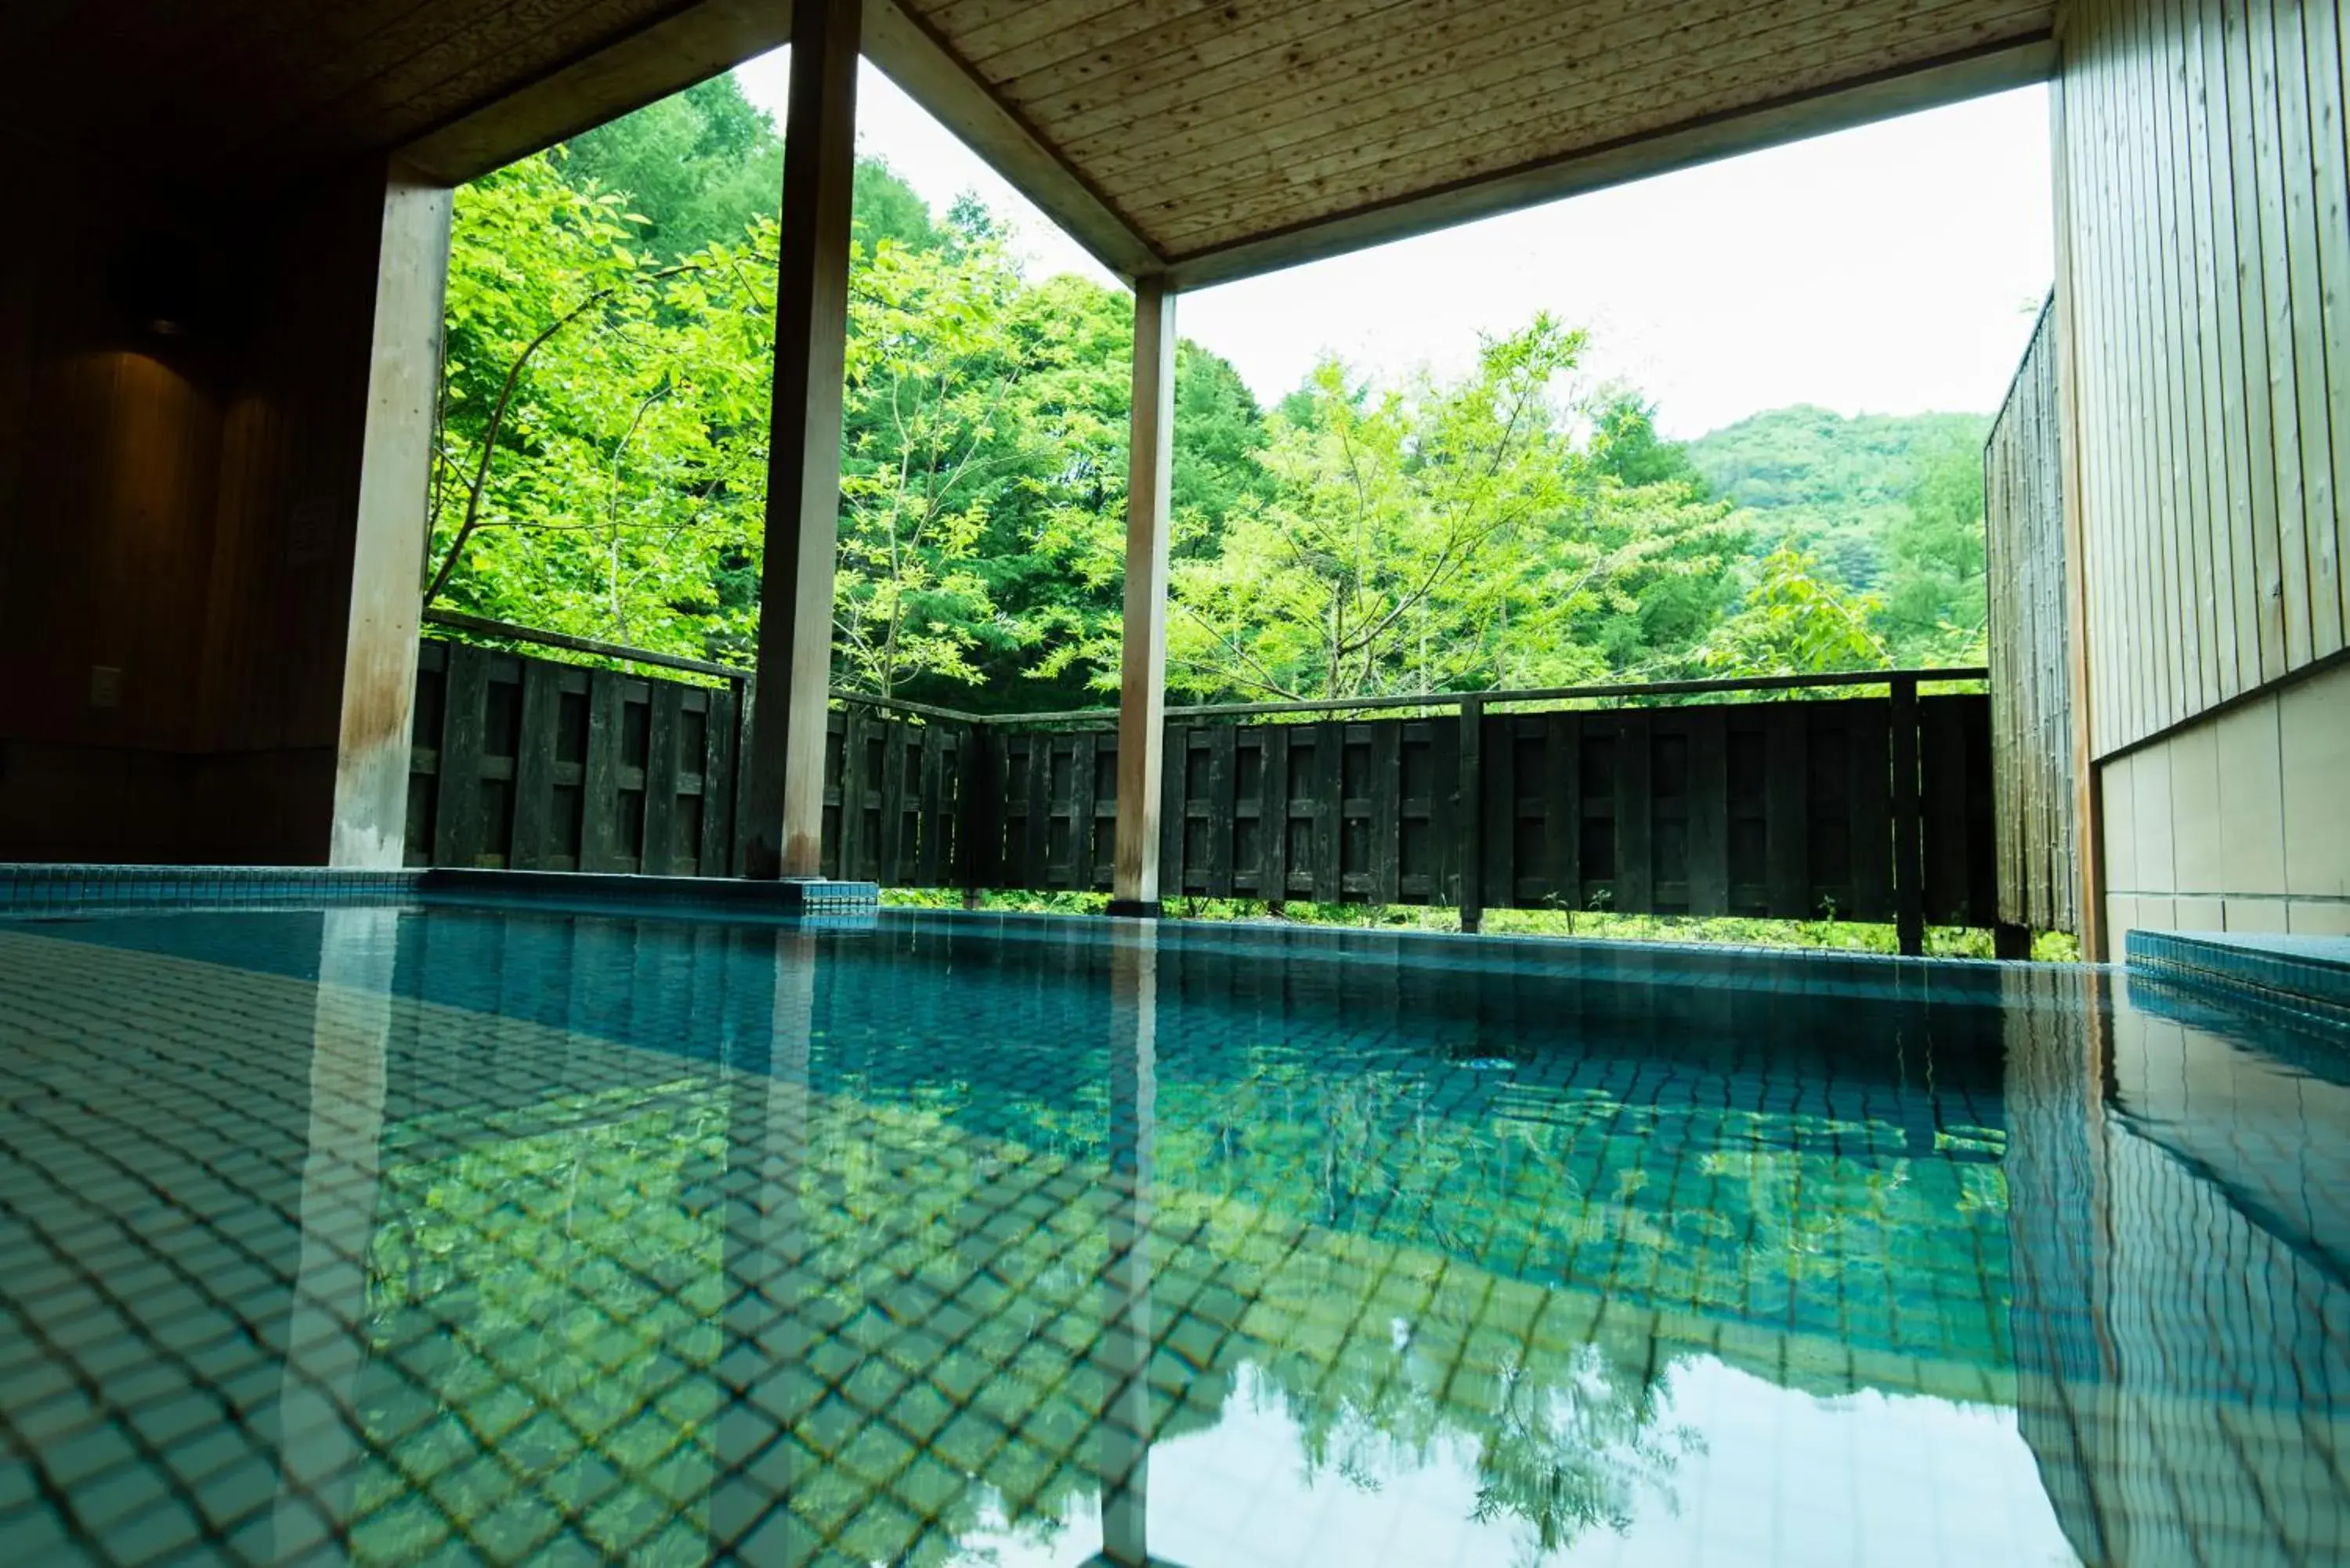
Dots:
(1783, 810)
(539, 766)
(1780, 809)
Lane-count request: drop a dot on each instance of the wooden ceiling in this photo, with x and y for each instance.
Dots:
(1204, 138)
(242, 95)
(1216, 127)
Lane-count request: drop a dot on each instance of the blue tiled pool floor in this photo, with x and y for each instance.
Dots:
(400, 1235)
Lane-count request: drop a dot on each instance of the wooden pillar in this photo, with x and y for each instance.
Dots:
(782, 803)
(371, 812)
(1908, 861)
(1142, 682)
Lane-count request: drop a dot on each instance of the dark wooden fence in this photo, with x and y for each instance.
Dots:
(528, 763)
(1785, 809)
(2032, 698)
(1775, 809)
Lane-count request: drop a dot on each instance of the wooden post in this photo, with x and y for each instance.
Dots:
(1909, 864)
(782, 804)
(1467, 812)
(369, 827)
(979, 806)
(1142, 682)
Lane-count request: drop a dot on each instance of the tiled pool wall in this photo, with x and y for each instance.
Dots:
(64, 889)
(2180, 1213)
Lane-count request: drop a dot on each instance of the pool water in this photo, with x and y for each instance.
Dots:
(455, 1234)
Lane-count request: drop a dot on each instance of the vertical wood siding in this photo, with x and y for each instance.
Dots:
(2208, 243)
(2031, 688)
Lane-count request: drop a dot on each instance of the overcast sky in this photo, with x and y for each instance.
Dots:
(1891, 269)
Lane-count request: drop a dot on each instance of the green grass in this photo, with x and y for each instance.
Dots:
(1853, 936)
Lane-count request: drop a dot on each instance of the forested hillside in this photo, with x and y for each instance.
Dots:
(602, 467)
(1843, 485)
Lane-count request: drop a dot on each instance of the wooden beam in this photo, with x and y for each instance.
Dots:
(379, 696)
(1142, 679)
(2011, 63)
(673, 54)
(784, 798)
(910, 54)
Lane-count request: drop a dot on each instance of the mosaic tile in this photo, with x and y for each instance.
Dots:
(429, 1232)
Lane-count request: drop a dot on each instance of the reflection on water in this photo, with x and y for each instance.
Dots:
(956, 1240)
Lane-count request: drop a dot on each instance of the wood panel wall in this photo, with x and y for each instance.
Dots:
(2208, 238)
(2031, 684)
(180, 509)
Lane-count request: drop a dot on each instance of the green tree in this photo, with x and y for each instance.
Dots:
(1433, 537)
(700, 166)
(601, 449)
(1797, 620)
(930, 373)
(1837, 486)
(703, 166)
(1936, 595)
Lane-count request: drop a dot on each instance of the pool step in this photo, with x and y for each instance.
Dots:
(2305, 974)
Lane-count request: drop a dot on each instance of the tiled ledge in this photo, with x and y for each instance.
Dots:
(2308, 974)
(719, 895)
(51, 890)
(64, 889)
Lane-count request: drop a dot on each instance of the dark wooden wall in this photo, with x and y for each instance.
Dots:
(180, 509)
(2207, 231)
(2030, 686)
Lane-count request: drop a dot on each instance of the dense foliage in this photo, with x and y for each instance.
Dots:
(602, 469)
(1892, 506)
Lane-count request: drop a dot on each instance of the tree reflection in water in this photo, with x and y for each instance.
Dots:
(1403, 1281)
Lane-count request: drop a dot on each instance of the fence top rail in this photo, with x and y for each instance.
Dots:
(1524, 694)
(483, 627)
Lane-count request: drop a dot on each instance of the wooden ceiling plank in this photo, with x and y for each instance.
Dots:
(1209, 59)
(665, 58)
(1132, 32)
(1509, 89)
(471, 69)
(1458, 152)
(207, 65)
(1787, 118)
(933, 75)
(321, 70)
(1043, 23)
(1505, 43)
(1193, 98)
(955, 20)
(1356, 36)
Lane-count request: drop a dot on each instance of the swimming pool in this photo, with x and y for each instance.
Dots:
(445, 1233)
